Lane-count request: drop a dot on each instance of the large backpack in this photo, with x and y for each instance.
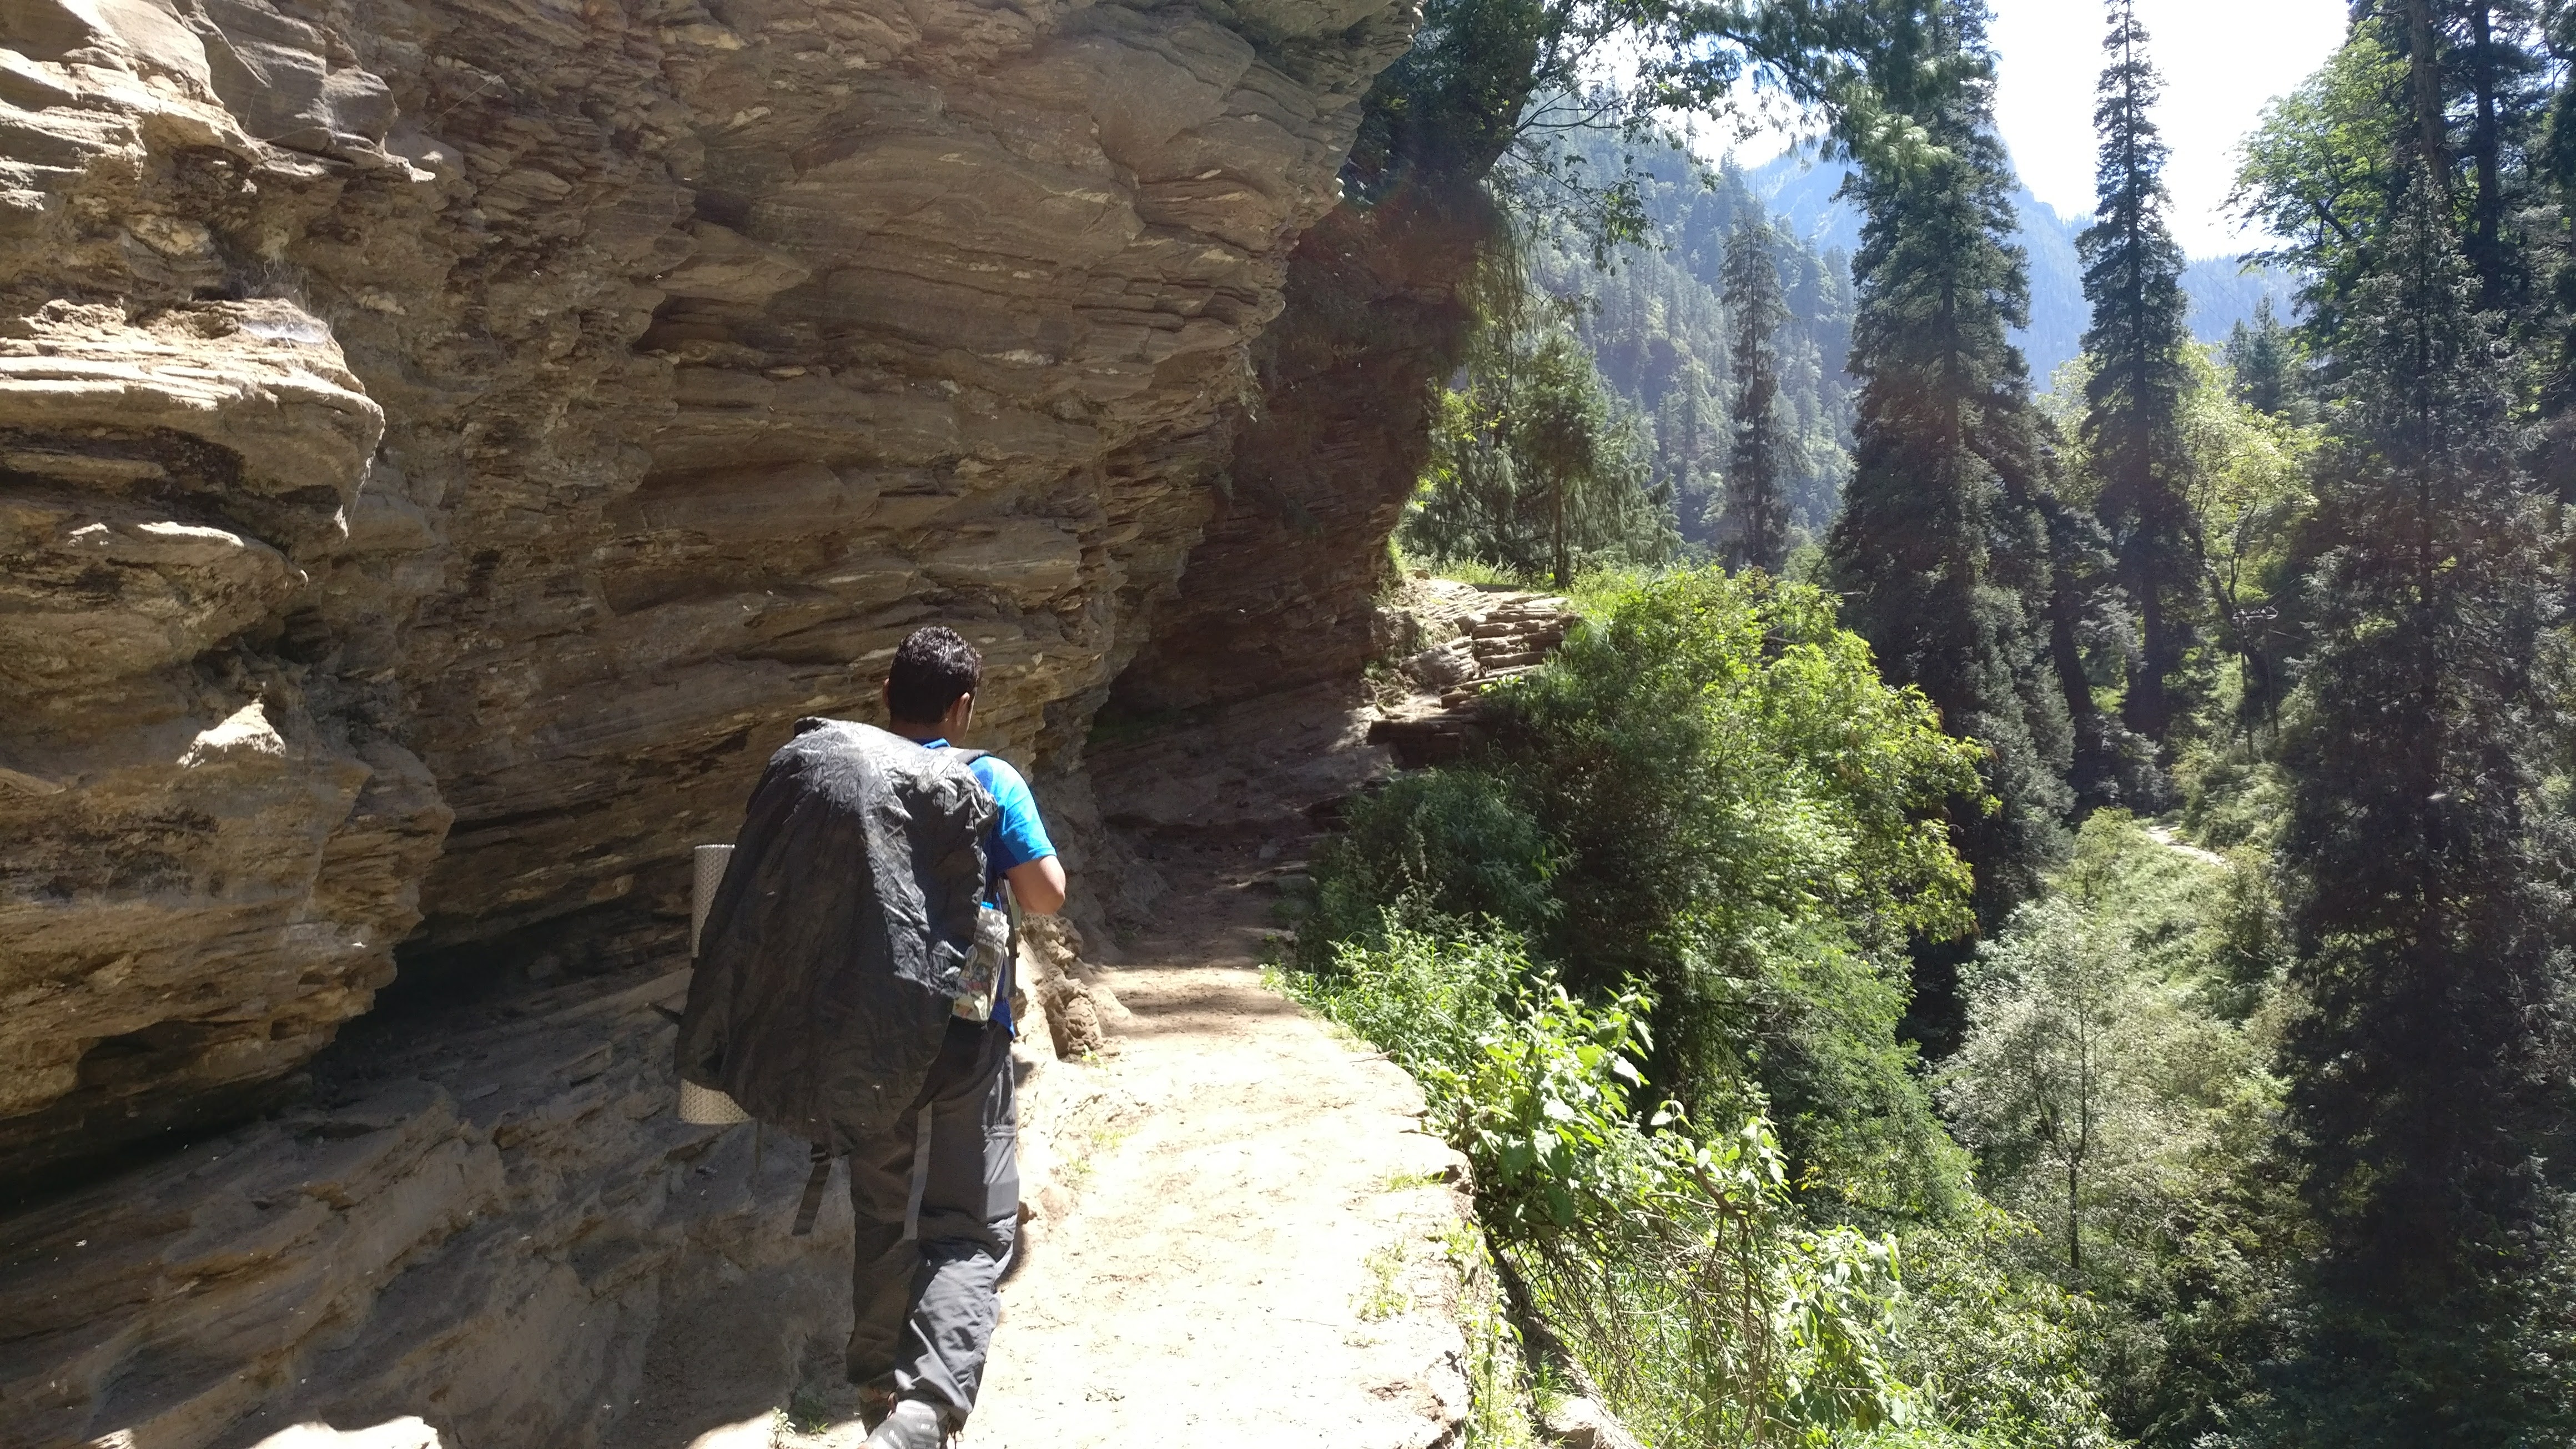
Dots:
(834, 952)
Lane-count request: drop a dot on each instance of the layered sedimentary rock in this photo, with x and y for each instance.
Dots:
(491, 1227)
(1278, 594)
(444, 445)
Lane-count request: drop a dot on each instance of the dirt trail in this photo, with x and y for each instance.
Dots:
(1240, 1231)
(2165, 836)
(1255, 1251)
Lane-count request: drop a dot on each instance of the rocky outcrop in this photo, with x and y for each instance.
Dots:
(1075, 1002)
(492, 1218)
(444, 443)
(1456, 641)
(1277, 596)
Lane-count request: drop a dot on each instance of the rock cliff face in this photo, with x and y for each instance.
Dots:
(1278, 592)
(490, 1222)
(444, 445)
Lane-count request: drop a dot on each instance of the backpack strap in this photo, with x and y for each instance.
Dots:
(1010, 905)
(1009, 979)
(812, 1204)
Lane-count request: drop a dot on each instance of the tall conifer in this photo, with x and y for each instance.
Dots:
(2133, 401)
(1757, 500)
(1943, 562)
(2430, 1066)
(2262, 367)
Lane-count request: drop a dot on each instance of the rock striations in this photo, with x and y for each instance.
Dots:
(444, 443)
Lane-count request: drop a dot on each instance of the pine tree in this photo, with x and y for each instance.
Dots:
(2133, 278)
(1940, 548)
(2430, 1067)
(1534, 463)
(2498, 66)
(2091, 635)
(2263, 367)
(1757, 502)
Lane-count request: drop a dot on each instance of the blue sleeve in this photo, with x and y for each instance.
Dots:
(1019, 836)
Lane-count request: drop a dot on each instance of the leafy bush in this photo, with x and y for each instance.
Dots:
(1711, 793)
(1998, 1355)
(1674, 1266)
(1427, 995)
(1453, 843)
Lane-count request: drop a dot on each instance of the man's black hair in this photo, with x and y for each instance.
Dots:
(932, 668)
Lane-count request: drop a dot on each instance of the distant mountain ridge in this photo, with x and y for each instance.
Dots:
(1657, 326)
(2222, 294)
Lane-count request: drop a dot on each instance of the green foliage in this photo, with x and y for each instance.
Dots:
(2244, 480)
(2137, 342)
(1667, 342)
(2277, 1144)
(1540, 1103)
(1997, 1353)
(1757, 503)
(1456, 843)
(1741, 812)
(2322, 167)
(2248, 490)
(1498, 1388)
(2159, 901)
(2431, 1053)
(1709, 793)
(1942, 548)
(1672, 1264)
(1427, 993)
(1534, 465)
(2424, 847)
(1525, 83)
(2115, 1084)
(2092, 1084)
(2467, 98)
(2263, 366)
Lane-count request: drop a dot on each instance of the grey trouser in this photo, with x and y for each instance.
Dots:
(936, 1202)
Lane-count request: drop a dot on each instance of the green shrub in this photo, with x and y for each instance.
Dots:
(1997, 1354)
(1427, 994)
(1711, 793)
(1447, 843)
(1675, 1266)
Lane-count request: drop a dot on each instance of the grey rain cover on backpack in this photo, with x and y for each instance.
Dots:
(832, 953)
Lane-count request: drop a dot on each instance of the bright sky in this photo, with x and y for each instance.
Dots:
(2222, 59)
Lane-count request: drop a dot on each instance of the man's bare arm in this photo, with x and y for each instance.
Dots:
(1038, 886)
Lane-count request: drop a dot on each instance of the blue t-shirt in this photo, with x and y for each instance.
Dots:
(1018, 836)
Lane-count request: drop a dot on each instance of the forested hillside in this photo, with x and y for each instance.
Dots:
(1657, 325)
(2084, 956)
(2222, 290)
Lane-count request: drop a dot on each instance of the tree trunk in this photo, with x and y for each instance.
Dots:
(1556, 522)
(2074, 1222)
(2149, 712)
(2424, 71)
(2486, 237)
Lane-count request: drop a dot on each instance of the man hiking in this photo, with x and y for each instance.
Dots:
(854, 986)
(926, 1308)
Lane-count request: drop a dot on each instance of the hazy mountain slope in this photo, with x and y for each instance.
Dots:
(2221, 294)
(1660, 335)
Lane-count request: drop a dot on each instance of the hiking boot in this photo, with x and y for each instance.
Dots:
(913, 1424)
(875, 1402)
